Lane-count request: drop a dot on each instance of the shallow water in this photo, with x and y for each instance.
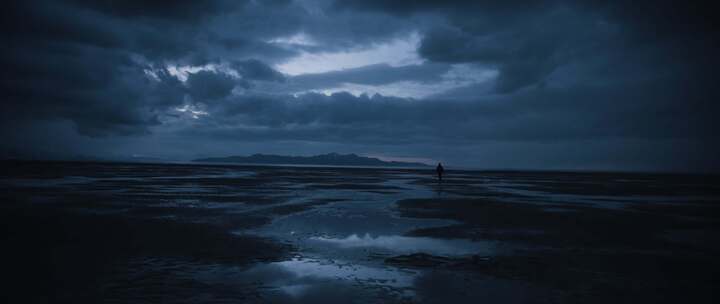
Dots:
(329, 232)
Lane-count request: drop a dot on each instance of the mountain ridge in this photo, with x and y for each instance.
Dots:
(330, 159)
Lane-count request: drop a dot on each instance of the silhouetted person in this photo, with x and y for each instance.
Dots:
(440, 171)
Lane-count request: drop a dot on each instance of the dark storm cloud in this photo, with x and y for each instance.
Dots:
(524, 54)
(86, 61)
(79, 60)
(184, 10)
(257, 70)
(100, 90)
(209, 86)
(149, 34)
(64, 62)
(549, 114)
(405, 7)
(528, 40)
(568, 71)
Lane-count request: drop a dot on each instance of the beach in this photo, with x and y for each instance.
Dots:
(94, 232)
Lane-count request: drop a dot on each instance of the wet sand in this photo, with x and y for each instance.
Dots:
(148, 233)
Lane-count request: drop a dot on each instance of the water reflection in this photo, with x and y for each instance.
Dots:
(339, 270)
(312, 280)
(298, 280)
(406, 245)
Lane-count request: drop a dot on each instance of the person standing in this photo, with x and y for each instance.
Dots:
(439, 169)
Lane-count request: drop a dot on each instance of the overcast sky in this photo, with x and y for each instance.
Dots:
(621, 85)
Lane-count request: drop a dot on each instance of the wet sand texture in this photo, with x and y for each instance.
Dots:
(83, 232)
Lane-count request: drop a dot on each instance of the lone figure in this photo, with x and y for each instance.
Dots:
(439, 170)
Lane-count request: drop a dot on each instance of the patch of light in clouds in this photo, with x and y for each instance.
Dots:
(192, 110)
(460, 75)
(182, 72)
(297, 39)
(398, 52)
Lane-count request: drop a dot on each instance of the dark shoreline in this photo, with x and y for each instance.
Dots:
(461, 170)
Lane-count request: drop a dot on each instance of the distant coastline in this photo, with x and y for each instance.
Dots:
(331, 159)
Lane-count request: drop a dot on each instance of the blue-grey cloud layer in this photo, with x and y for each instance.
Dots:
(569, 74)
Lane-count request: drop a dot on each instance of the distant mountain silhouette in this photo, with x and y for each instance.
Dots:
(331, 159)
